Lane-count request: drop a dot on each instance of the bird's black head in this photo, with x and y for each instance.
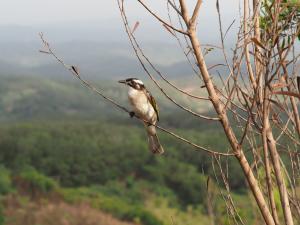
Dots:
(134, 83)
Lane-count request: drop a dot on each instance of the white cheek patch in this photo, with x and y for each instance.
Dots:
(139, 82)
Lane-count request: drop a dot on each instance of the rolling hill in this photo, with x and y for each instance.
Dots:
(27, 98)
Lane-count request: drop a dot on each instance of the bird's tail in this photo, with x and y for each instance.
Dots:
(154, 144)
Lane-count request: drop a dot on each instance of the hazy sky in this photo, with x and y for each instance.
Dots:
(37, 12)
(32, 12)
(68, 21)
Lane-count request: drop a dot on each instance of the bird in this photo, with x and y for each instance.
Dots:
(144, 107)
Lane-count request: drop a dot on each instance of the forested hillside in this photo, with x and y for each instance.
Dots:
(60, 143)
(23, 97)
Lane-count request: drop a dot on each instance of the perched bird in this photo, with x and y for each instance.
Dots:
(145, 107)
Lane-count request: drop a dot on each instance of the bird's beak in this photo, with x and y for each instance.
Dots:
(122, 81)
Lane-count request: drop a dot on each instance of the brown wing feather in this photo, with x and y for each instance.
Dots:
(152, 101)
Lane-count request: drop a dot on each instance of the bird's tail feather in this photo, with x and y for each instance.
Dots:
(154, 144)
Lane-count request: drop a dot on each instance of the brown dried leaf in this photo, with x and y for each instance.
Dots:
(298, 83)
(283, 78)
(207, 183)
(218, 6)
(75, 70)
(122, 5)
(287, 93)
(275, 118)
(279, 85)
(257, 42)
(135, 27)
(45, 52)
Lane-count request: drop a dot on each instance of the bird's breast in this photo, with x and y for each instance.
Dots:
(140, 104)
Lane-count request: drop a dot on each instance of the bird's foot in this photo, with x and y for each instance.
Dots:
(131, 114)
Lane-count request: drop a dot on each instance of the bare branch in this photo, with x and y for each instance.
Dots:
(100, 92)
(184, 11)
(159, 19)
(174, 7)
(196, 12)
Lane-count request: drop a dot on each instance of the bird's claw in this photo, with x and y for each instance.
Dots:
(131, 114)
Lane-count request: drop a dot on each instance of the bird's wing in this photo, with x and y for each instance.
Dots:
(152, 101)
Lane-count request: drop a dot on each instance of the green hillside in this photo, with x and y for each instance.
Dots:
(36, 97)
(62, 144)
(109, 167)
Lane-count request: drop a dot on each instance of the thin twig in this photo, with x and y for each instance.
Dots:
(97, 91)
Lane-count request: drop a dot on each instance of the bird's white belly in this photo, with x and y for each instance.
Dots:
(141, 106)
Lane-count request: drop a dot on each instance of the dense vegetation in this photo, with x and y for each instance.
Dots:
(111, 162)
(58, 138)
(87, 153)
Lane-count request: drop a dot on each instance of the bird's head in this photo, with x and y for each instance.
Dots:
(134, 83)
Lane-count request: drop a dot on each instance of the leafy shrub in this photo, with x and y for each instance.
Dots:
(187, 183)
(127, 211)
(5, 181)
(115, 205)
(2, 218)
(37, 181)
(137, 214)
(129, 190)
(184, 179)
(86, 154)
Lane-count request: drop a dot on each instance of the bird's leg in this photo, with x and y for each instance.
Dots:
(149, 124)
(131, 114)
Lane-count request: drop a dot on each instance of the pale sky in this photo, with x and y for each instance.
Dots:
(99, 20)
(38, 12)
(33, 12)
(103, 15)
